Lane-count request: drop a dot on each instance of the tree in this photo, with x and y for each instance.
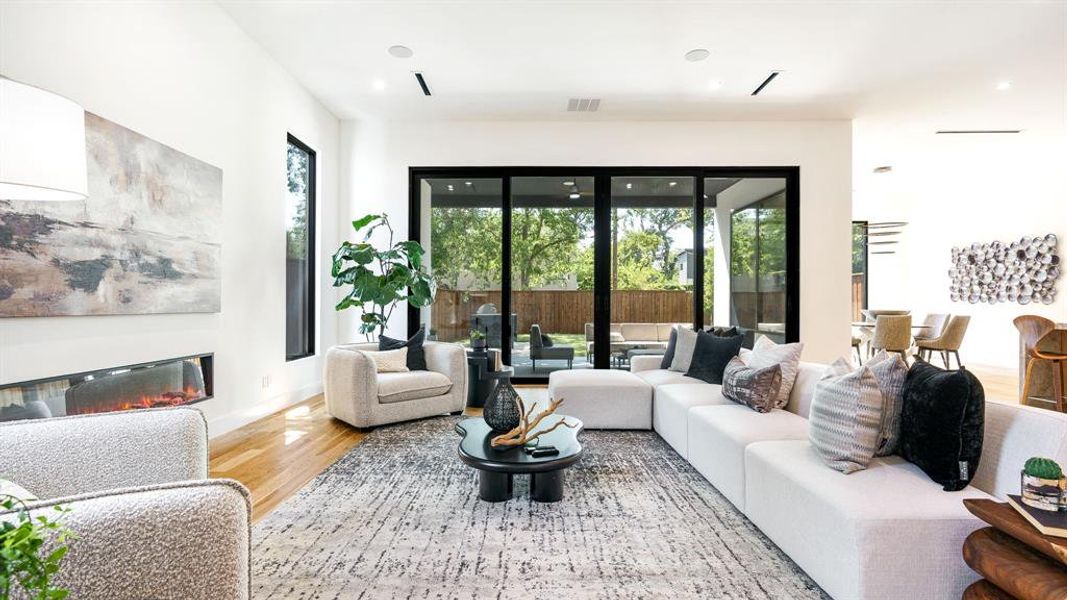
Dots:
(662, 222)
(296, 233)
(544, 243)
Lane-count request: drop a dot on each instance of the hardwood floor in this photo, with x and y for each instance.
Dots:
(279, 454)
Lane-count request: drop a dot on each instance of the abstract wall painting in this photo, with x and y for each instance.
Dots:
(1023, 271)
(146, 241)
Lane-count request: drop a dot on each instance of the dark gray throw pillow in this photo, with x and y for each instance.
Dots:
(416, 355)
(711, 355)
(668, 355)
(546, 341)
(755, 388)
(723, 331)
(942, 422)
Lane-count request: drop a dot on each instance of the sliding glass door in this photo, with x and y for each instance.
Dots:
(578, 268)
(551, 273)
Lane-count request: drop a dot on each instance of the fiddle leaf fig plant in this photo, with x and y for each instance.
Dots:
(380, 278)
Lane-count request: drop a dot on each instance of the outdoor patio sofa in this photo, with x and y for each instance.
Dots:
(629, 336)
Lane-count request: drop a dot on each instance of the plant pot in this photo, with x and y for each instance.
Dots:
(1043, 494)
(478, 344)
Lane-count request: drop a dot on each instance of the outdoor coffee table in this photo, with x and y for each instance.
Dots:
(498, 466)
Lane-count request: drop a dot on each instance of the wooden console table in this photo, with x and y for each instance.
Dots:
(1017, 562)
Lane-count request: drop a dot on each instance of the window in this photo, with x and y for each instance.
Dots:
(859, 269)
(299, 251)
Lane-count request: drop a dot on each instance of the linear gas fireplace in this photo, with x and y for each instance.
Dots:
(169, 382)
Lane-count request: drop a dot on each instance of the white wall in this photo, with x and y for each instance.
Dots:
(378, 156)
(185, 75)
(955, 190)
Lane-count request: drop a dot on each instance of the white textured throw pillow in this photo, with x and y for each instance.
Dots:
(389, 361)
(10, 488)
(845, 422)
(891, 371)
(683, 349)
(766, 353)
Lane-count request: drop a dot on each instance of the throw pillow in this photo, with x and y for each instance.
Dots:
(389, 361)
(846, 417)
(755, 388)
(723, 331)
(685, 344)
(891, 371)
(766, 353)
(668, 354)
(416, 360)
(711, 355)
(10, 488)
(546, 341)
(942, 422)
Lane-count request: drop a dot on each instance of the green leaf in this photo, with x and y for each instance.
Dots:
(363, 221)
(414, 252)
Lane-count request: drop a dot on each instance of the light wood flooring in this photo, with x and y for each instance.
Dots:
(279, 454)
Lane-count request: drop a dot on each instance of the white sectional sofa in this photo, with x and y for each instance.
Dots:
(884, 533)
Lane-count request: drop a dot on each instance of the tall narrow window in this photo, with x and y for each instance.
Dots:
(299, 251)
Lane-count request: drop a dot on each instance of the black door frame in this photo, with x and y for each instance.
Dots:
(602, 235)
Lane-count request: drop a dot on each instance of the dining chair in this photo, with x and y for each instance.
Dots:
(892, 333)
(932, 326)
(1033, 330)
(948, 343)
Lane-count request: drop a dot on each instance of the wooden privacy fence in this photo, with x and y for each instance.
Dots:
(558, 311)
(858, 299)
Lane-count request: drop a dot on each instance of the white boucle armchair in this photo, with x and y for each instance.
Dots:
(360, 396)
(149, 524)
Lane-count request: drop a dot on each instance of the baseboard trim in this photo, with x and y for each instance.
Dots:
(226, 423)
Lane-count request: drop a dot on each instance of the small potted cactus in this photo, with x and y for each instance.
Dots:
(1043, 484)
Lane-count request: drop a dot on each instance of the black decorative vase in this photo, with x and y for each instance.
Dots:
(501, 412)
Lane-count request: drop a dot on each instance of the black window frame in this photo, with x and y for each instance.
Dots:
(602, 242)
(312, 239)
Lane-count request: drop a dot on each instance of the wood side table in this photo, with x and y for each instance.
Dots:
(1017, 561)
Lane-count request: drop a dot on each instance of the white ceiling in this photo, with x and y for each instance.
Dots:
(523, 60)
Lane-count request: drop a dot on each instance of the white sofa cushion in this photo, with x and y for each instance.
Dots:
(660, 377)
(884, 533)
(639, 332)
(808, 376)
(603, 399)
(1013, 434)
(718, 436)
(14, 490)
(670, 410)
(398, 387)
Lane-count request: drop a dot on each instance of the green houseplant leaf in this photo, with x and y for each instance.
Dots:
(380, 278)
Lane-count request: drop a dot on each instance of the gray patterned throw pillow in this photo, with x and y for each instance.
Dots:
(891, 371)
(845, 422)
(755, 388)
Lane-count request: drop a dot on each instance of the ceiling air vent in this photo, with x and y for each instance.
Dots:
(583, 104)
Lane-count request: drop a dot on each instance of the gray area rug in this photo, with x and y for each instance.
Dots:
(399, 517)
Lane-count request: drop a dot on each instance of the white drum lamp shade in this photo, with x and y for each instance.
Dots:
(42, 145)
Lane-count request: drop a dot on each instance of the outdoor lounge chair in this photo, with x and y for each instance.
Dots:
(539, 351)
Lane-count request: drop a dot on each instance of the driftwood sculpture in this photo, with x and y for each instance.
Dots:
(521, 435)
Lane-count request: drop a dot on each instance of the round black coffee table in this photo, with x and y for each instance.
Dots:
(497, 466)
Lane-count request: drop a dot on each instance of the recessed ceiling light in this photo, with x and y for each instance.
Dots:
(1003, 86)
(715, 84)
(629, 186)
(673, 183)
(574, 195)
(697, 55)
(378, 84)
(399, 51)
(451, 188)
(468, 183)
(883, 169)
(568, 183)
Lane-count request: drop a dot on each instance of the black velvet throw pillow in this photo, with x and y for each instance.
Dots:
(416, 354)
(546, 341)
(668, 356)
(711, 355)
(942, 423)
